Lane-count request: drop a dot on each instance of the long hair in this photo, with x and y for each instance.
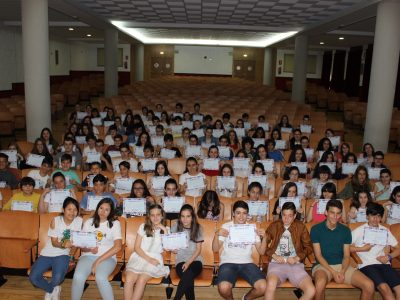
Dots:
(321, 142)
(35, 149)
(209, 197)
(148, 225)
(329, 187)
(111, 217)
(357, 186)
(292, 157)
(286, 189)
(190, 159)
(355, 201)
(194, 226)
(229, 166)
(146, 192)
(164, 164)
(395, 191)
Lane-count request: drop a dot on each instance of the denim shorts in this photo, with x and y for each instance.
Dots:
(230, 272)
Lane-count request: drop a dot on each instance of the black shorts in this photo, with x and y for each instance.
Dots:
(382, 274)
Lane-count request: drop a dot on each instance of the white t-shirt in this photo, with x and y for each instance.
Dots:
(235, 254)
(105, 235)
(40, 181)
(87, 150)
(58, 232)
(369, 257)
(108, 140)
(194, 192)
(285, 247)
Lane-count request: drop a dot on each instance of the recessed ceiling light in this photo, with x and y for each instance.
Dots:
(321, 43)
(88, 35)
(162, 52)
(71, 29)
(341, 38)
(245, 55)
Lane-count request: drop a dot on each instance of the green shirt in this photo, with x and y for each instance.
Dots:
(331, 241)
(70, 174)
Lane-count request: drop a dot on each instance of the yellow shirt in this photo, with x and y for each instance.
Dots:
(34, 198)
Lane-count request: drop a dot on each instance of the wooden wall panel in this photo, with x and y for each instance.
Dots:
(253, 63)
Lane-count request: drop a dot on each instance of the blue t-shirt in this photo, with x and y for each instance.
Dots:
(84, 201)
(276, 155)
(331, 241)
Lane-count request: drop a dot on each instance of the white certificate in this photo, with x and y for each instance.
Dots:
(123, 116)
(258, 208)
(258, 142)
(195, 182)
(97, 121)
(264, 126)
(113, 154)
(80, 139)
(349, 168)
(176, 129)
(217, 133)
(335, 140)
(158, 182)
(148, 164)
(240, 132)
(224, 151)
(12, 155)
(321, 206)
(374, 173)
(151, 129)
(174, 241)
(247, 125)
(167, 153)
(198, 132)
(39, 184)
(22, 205)
(375, 236)
(309, 153)
(301, 187)
(330, 165)
(206, 145)
(241, 163)
(319, 188)
(261, 179)
(242, 234)
(173, 204)
(197, 118)
(34, 160)
(157, 141)
(57, 198)
(295, 200)
(90, 180)
(103, 114)
(394, 212)
(301, 165)
(108, 123)
(393, 184)
(124, 184)
(286, 129)
(139, 151)
(92, 202)
(83, 239)
(80, 115)
(3, 184)
(134, 206)
(193, 151)
(226, 182)
(268, 164)
(305, 128)
(211, 164)
(361, 216)
(280, 144)
(93, 157)
(187, 124)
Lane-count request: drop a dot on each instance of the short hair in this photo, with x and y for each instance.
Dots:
(385, 171)
(95, 163)
(58, 174)
(47, 161)
(125, 164)
(375, 209)
(65, 157)
(27, 181)
(69, 139)
(289, 206)
(123, 145)
(255, 184)
(148, 147)
(240, 204)
(112, 127)
(168, 137)
(248, 140)
(245, 115)
(100, 178)
(3, 155)
(334, 203)
(379, 153)
(224, 136)
(178, 104)
(90, 137)
(118, 136)
(226, 116)
(193, 136)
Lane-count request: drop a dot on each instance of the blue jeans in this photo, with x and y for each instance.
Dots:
(58, 266)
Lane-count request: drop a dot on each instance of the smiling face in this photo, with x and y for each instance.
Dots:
(254, 194)
(240, 216)
(333, 216)
(192, 167)
(70, 212)
(138, 190)
(213, 153)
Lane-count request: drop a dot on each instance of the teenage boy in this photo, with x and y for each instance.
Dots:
(289, 244)
(331, 242)
(25, 195)
(76, 157)
(99, 192)
(41, 175)
(375, 259)
(236, 260)
(71, 177)
(7, 177)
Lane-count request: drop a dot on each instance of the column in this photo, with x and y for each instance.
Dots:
(139, 62)
(267, 76)
(300, 69)
(35, 44)
(111, 62)
(385, 61)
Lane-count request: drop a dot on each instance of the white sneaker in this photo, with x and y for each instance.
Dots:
(56, 293)
(47, 296)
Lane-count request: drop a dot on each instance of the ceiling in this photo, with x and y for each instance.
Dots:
(244, 21)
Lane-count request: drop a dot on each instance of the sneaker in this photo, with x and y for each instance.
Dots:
(47, 296)
(56, 293)
(244, 297)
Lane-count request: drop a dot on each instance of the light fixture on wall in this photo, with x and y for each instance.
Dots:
(71, 29)
(321, 43)
(88, 35)
(162, 52)
(245, 55)
(341, 38)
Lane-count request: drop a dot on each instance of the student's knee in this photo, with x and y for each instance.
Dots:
(368, 286)
(384, 289)
(34, 277)
(57, 278)
(260, 285)
(271, 284)
(79, 277)
(225, 288)
(101, 278)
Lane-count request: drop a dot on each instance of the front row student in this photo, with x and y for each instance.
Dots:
(331, 242)
(236, 260)
(375, 259)
(101, 260)
(289, 244)
(25, 196)
(58, 250)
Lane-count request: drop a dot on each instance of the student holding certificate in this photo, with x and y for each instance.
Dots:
(329, 158)
(5, 174)
(297, 156)
(254, 191)
(39, 148)
(321, 176)
(192, 170)
(235, 259)
(210, 207)
(90, 199)
(147, 261)
(210, 166)
(143, 140)
(26, 199)
(41, 175)
(58, 252)
(324, 145)
(139, 190)
(189, 262)
(258, 170)
(226, 182)
(346, 167)
(392, 207)
(359, 182)
(382, 187)
(289, 245)
(290, 190)
(273, 153)
(123, 174)
(368, 154)
(294, 177)
(87, 182)
(101, 260)
(248, 148)
(68, 148)
(358, 207)
(375, 259)
(169, 145)
(156, 185)
(242, 164)
(316, 213)
(331, 243)
(224, 142)
(71, 177)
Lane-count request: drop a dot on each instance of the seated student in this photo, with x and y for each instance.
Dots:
(39, 148)
(6, 175)
(358, 207)
(382, 187)
(99, 190)
(321, 176)
(76, 157)
(324, 145)
(87, 182)
(161, 170)
(183, 141)
(289, 245)
(71, 177)
(378, 160)
(293, 176)
(101, 260)
(112, 132)
(117, 143)
(368, 154)
(58, 251)
(210, 207)
(274, 154)
(254, 191)
(192, 170)
(331, 243)
(208, 137)
(247, 147)
(123, 173)
(25, 195)
(213, 153)
(105, 159)
(350, 158)
(41, 175)
(236, 260)
(375, 259)
(289, 190)
(139, 190)
(394, 199)
(226, 171)
(258, 170)
(296, 139)
(327, 157)
(233, 140)
(359, 182)
(46, 202)
(297, 155)
(328, 192)
(169, 144)
(227, 125)
(90, 147)
(47, 136)
(148, 151)
(126, 155)
(224, 142)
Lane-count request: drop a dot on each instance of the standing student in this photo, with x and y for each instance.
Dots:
(189, 262)
(58, 251)
(147, 261)
(331, 242)
(101, 260)
(375, 260)
(236, 260)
